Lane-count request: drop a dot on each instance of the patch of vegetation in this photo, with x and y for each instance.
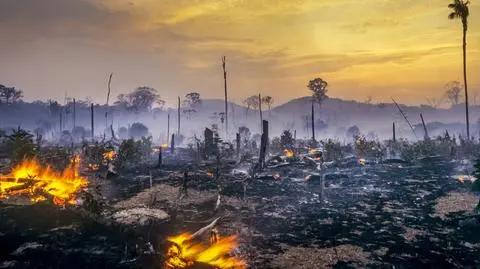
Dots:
(369, 148)
(132, 154)
(20, 146)
(332, 150)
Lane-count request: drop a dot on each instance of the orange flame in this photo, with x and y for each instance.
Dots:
(288, 153)
(184, 253)
(37, 181)
(109, 155)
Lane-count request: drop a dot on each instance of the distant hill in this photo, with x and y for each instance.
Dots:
(336, 114)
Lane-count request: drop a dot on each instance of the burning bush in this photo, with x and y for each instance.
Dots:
(184, 253)
(39, 182)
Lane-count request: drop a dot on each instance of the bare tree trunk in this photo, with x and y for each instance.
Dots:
(260, 109)
(313, 122)
(92, 122)
(226, 96)
(168, 128)
(426, 137)
(60, 121)
(160, 156)
(394, 134)
(178, 130)
(74, 113)
(263, 145)
(172, 144)
(238, 145)
(465, 78)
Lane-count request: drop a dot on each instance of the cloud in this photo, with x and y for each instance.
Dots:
(28, 20)
(372, 24)
(329, 63)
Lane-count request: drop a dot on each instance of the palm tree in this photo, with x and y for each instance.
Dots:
(460, 11)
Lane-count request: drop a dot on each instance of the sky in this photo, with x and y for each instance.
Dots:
(403, 49)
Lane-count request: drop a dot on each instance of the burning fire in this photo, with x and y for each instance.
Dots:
(288, 153)
(164, 146)
(93, 167)
(109, 155)
(183, 253)
(37, 181)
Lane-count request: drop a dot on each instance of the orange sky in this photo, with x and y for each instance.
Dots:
(405, 49)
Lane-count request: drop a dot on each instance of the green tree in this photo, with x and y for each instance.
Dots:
(460, 11)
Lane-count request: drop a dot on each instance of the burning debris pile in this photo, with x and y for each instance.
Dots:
(183, 253)
(39, 182)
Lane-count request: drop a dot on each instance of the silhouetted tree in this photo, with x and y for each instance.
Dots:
(268, 100)
(251, 102)
(191, 103)
(140, 100)
(10, 95)
(138, 130)
(353, 131)
(460, 10)
(318, 87)
(453, 92)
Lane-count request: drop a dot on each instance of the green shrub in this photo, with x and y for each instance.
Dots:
(20, 146)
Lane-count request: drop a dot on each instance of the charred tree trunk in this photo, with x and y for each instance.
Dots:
(263, 145)
(426, 137)
(172, 145)
(178, 115)
(394, 134)
(159, 157)
(74, 113)
(313, 122)
(168, 128)
(238, 145)
(92, 122)
(60, 121)
(260, 109)
(226, 95)
(209, 143)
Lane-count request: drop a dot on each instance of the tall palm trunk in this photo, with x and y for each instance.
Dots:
(465, 77)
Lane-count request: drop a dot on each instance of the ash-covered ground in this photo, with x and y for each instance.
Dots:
(382, 216)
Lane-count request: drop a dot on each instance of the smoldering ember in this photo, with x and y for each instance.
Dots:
(166, 178)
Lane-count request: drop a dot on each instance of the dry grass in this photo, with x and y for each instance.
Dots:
(455, 202)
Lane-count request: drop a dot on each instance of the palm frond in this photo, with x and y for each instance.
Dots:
(453, 15)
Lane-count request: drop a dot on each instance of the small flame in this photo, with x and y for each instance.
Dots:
(109, 155)
(288, 153)
(93, 167)
(362, 162)
(184, 253)
(164, 146)
(37, 181)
